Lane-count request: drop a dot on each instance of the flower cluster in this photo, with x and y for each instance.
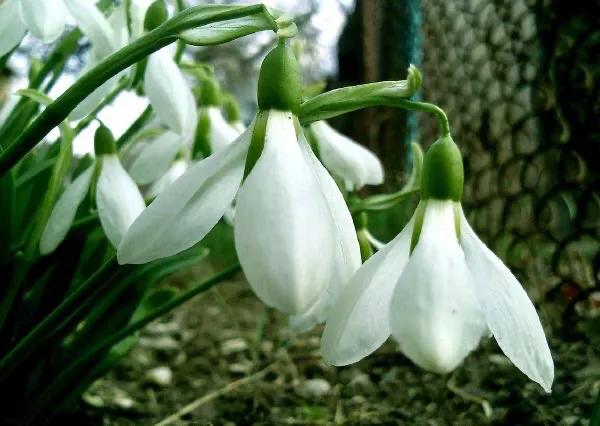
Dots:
(436, 288)
(283, 182)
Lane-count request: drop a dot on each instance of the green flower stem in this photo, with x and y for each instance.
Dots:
(387, 201)
(181, 6)
(149, 43)
(100, 279)
(58, 385)
(427, 107)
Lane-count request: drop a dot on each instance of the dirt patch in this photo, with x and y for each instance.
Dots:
(236, 362)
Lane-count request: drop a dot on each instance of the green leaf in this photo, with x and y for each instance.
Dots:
(59, 171)
(152, 302)
(7, 214)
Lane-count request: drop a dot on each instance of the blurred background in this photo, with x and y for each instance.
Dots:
(519, 82)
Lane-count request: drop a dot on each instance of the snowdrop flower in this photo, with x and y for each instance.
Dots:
(346, 159)
(293, 232)
(118, 199)
(171, 97)
(44, 19)
(214, 133)
(165, 85)
(437, 289)
(169, 93)
(106, 37)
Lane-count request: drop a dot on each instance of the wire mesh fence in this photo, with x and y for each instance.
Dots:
(518, 83)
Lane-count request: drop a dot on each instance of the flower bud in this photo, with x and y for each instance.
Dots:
(155, 15)
(104, 141)
(443, 174)
(279, 82)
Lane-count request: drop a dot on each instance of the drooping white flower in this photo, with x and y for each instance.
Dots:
(437, 289)
(293, 232)
(118, 199)
(169, 93)
(213, 133)
(346, 159)
(44, 19)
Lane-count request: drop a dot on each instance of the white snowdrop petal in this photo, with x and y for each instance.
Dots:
(510, 315)
(190, 207)
(375, 173)
(284, 234)
(167, 91)
(156, 158)
(12, 28)
(93, 25)
(177, 169)
(64, 211)
(435, 316)
(352, 162)
(45, 19)
(359, 321)
(221, 132)
(118, 199)
(347, 253)
(118, 22)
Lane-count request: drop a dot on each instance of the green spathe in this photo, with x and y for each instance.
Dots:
(279, 82)
(104, 141)
(155, 15)
(210, 93)
(231, 109)
(443, 174)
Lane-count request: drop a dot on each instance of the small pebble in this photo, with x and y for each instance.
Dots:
(161, 376)
(499, 360)
(361, 381)
(314, 388)
(163, 343)
(232, 346)
(163, 327)
(95, 401)
(240, 367)
(124, 402)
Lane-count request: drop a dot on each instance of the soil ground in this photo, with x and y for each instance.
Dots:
(224, 359)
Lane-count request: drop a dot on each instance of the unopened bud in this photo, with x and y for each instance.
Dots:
(104, 141)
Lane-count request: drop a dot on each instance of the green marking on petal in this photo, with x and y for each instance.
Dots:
(257, 142)
(419, 217)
